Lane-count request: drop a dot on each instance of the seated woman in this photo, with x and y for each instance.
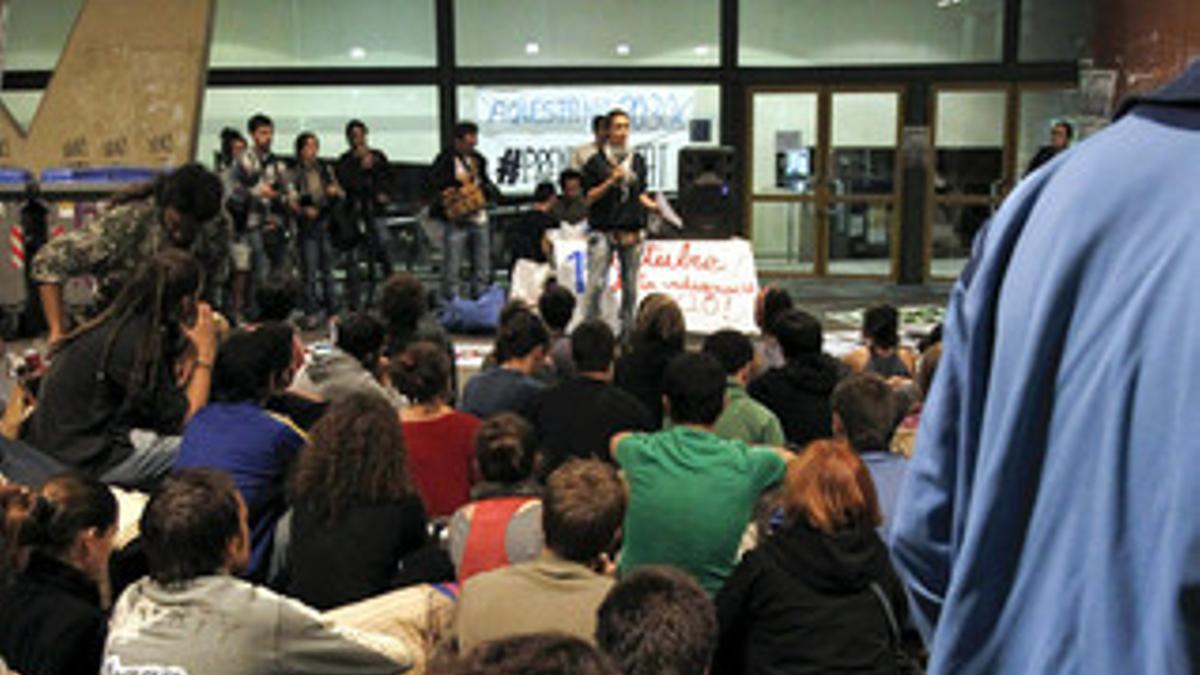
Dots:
(810, 599)
(112, 403)
(882, 353)
(503, 523)
(355, 512)
(440, 439)
(236, 434)
(658, 336)
(51, 617)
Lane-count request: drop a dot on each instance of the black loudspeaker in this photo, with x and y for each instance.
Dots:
(708, 194)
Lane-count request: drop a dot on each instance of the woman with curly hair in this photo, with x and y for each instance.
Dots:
(355, 512)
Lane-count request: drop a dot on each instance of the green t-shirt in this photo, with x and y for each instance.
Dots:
(691, 495)
(748, 420)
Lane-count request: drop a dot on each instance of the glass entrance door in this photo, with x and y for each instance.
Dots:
(824, 181)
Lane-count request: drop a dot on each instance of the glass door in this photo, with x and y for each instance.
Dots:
(824, 181)
(785, 174)
(970, 172)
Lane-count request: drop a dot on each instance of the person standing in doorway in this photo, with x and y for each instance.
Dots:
(1060, 139)
(462, 189)
(615, 181)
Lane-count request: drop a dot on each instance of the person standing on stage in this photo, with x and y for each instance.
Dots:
(311, 194)
(461, 191)
(365, 175)
(615, 181)
(259, 180)
(583, 153)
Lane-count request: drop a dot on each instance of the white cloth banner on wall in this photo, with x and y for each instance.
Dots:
(527, 134)
(715, 282)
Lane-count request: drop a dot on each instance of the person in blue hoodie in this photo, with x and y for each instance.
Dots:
(236, 434)
(1049, 520)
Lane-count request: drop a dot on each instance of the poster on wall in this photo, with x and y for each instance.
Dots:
(527, 134)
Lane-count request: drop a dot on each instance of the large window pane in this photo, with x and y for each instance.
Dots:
(324, 33)
(402, 120)
(37, 32)
(527, 133)
(785, 143)
(784, 236)
(869, 32)
(1056, 30)
(970, 142)
(587, 32)
(865, 126)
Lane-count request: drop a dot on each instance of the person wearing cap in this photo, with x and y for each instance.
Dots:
(178, 210)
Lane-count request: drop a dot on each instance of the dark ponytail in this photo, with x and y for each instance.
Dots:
(69, 504)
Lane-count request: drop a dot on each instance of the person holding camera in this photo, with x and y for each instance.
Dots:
(461, 191)
(312, 193)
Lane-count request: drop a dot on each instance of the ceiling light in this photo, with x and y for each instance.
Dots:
(532, 48)
(623, 48)
(358, 53)
(700, 50)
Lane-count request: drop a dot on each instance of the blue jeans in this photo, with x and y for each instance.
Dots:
(152, 459)
(316, 259)
(600, 252)
(461, 236)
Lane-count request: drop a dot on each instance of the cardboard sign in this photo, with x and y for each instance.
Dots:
(714, 282)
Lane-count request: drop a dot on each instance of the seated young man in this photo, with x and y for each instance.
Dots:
(798, 391)
(353, 364)
(583, 505)
(691, 492)
(236, 434)
(744, 418)
(192, 616)
(579, 417)
(526, 237)
(557, 306)
(864, 415)
(503, 523)
(658, 620)
(521, 348)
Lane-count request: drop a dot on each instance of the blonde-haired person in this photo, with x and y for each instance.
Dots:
(810, 599)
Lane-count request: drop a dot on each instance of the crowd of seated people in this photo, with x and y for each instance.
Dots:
(616, 498)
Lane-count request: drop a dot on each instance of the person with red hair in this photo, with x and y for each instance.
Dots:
(811, 599)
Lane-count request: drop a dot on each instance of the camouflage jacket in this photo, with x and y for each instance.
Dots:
(111, 248)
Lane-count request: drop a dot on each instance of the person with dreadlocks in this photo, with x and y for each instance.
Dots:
(113, 403)
(179, 210)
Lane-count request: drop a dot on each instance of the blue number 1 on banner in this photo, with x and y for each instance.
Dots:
(577, 259)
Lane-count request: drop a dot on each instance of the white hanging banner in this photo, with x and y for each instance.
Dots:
(527, 134)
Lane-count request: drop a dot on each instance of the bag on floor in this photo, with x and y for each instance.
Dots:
(474, 316)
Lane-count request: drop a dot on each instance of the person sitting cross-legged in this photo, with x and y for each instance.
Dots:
(235, 433)
(583, 505)
(563, 432)
(503, 523)
(691, 492)
(744, 418)
(191, 615)
(521, 349)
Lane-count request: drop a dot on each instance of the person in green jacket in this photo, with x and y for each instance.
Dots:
(744, 419)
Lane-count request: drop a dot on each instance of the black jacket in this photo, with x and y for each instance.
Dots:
(801, 603)
(798, 393)
(442, 176)
(50, 620)
(640, 372)
(359, 184)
